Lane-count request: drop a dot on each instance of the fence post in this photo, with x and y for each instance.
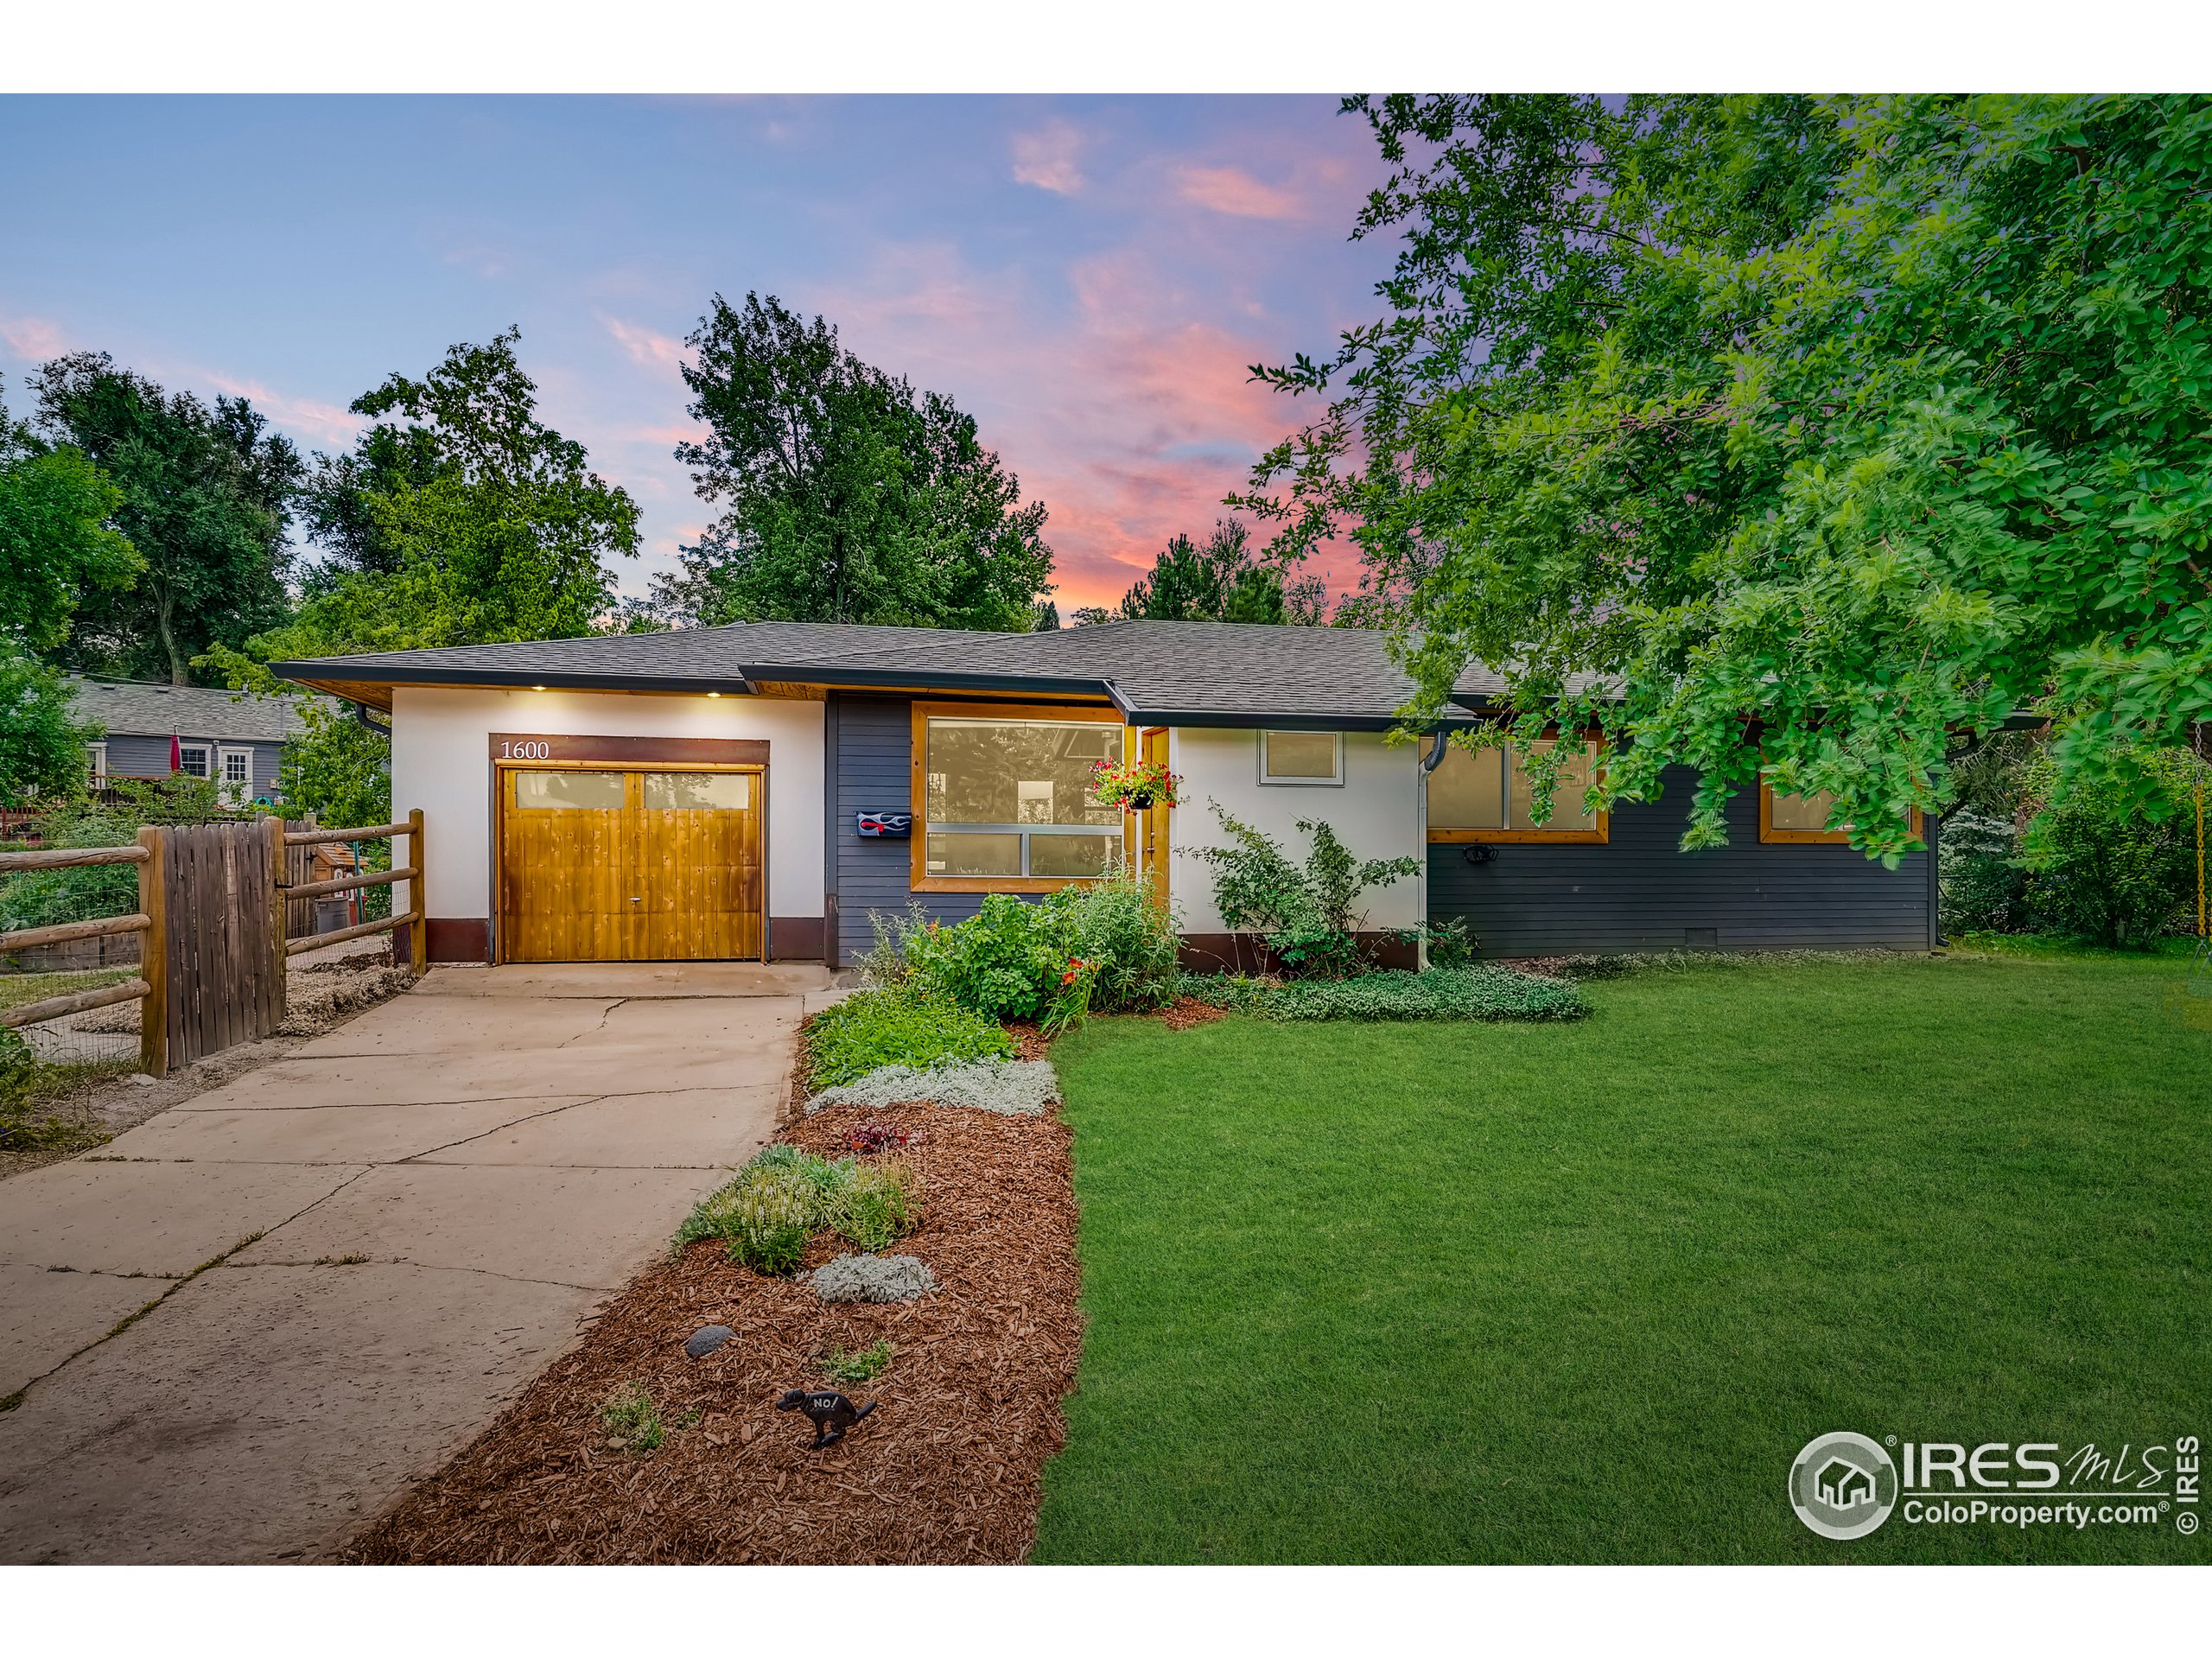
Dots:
(279, 907)
(153, 953)
(418, 931)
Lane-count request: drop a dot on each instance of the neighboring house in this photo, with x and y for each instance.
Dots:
(155, 731)
(701, 793)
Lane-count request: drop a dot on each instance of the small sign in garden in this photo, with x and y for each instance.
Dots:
(830, 1412)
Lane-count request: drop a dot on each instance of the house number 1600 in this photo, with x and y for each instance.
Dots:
(525, 751)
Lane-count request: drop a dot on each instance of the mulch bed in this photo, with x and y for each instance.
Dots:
(947, 1468)
(1187, 1011)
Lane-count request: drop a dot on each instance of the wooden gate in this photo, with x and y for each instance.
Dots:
(222, 983)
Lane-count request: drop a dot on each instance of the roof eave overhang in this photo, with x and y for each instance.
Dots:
(331, 675)
(1255, 720)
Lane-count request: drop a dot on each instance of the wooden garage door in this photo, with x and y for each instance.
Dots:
(606, 864)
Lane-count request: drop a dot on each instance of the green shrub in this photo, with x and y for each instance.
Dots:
(1451, 943)
(2102, 868)
(1981, 885)
(765, 1217)
(779, 1200)
(1305, 914)
(1010, 960)
(896, 1027)
(874, 1204)
(1120, 925)
(1439, 993)
(997, 963)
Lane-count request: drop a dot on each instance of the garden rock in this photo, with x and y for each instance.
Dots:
(1013, 1088)
(706, 1340)
(872, 1279)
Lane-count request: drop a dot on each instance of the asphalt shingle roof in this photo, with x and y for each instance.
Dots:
(1219, 670)
(138, 708)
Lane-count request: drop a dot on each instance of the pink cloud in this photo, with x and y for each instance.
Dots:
(1128, 415)
(324, 423)
(1047, 158)
(1231, 190)
(33, 338)
(643, 345)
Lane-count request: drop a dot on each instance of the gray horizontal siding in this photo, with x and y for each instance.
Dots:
(873, 767)
(1639, 892)
(139, 755)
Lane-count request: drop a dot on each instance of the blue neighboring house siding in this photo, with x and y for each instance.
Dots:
(1640, 892)
(137, 755)
(1637, 892)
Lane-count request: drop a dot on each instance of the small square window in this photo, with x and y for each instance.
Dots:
(1302, 757)
(193, 761)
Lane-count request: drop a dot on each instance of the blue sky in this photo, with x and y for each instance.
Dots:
(1087, 277)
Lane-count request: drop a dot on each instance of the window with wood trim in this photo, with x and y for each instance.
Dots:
(1004, 799)
(1488, 795)
(1805, 819)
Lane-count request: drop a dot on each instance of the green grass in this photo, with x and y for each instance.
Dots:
(1580, 1291)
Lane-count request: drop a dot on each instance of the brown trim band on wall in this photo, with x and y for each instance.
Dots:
(796, 938)
(459, 938)
(525, 747)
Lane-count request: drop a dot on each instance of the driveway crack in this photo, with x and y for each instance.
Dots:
(527, 1117)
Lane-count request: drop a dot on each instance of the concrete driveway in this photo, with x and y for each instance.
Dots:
(344, 1263)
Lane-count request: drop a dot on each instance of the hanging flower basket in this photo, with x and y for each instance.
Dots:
(1134, 785)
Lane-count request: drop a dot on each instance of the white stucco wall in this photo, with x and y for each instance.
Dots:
(441, 761)
(1376, 811)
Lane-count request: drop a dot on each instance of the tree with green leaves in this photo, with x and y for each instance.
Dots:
(56, 542)
(1814, 436)
(459, 519)
(845, 496)
(205, 502)
(1223, 580)
(41, 739)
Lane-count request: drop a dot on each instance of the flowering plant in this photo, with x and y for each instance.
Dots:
(1136, 786)
(1071, 997)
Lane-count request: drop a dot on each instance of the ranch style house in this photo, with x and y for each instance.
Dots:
(756, 790)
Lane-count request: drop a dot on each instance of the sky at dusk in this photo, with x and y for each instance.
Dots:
(1088, 277)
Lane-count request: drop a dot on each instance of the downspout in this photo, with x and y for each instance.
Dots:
(1429, 763)
(830, 871)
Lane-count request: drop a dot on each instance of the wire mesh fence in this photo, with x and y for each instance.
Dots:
(45, 899)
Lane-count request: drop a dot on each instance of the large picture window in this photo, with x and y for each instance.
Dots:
(1488, 795)
(1004, 796)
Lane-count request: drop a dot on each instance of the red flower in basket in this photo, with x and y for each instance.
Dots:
(1134, 785)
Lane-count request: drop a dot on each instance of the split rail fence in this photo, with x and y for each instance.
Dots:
(214, 901)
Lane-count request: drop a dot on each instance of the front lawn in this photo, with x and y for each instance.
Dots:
(1580, 1292)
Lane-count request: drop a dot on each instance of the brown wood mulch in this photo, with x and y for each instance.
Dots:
(1187, 1011)
(945, 1469)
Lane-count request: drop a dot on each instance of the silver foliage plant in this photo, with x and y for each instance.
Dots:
(872, 1279)
(1012, 1087)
